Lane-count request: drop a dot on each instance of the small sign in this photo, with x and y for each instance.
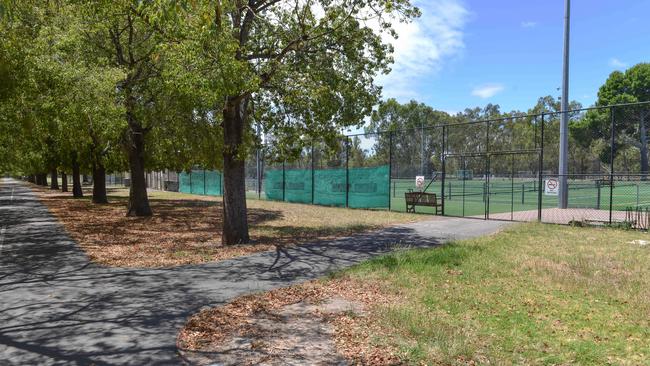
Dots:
(552, 187)
(419, 181)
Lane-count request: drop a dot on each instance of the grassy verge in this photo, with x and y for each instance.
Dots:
(187, 228)
(533, 294)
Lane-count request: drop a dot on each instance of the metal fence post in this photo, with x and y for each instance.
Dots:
(205, 192)
(284, 181)
(257, 171)
(464, 165)
(313, 185)
(611, 164)
(444, 172)
(347, 172)
(390, 167)
(512, 188)
(487, 170)
(540, 181)
(259, 174)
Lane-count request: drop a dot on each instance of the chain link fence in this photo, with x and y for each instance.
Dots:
(503, 169)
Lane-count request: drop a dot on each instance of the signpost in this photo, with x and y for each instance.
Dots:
(419, 182)
(552, 187)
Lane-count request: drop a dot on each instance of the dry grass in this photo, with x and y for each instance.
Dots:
(186, 229)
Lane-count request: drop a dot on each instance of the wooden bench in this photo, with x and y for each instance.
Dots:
(421, 199)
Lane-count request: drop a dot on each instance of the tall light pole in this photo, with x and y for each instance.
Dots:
(564, 121)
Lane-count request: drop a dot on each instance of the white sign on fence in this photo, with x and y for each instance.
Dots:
(552, 187)
(419, 181)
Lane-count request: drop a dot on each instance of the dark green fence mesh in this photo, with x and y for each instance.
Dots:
(329, 187)
(369, 187)
(213, 183)
(197, 182)
(204, 182)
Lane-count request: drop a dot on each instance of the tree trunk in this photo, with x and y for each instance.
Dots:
(99, 183)
(54, 184)
(235, 222)
(77, 192)
(31, 178)
(41, 179)
(64, 182)
(138, 199)
(643, 150)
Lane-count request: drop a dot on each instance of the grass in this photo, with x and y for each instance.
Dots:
(186, 228)
(533, 294)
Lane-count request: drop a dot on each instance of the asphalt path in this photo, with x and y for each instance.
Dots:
(58, 308)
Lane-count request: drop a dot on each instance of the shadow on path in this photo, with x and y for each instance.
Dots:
(57, 308)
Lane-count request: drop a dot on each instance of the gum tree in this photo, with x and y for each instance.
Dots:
(633, 123)
(302, 69)
(115, 33)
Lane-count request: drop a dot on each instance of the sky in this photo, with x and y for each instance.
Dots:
(467, 53)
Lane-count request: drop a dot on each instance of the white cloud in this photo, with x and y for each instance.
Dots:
(424, 45)
(617, 64)
(528, 24)
(487, 91)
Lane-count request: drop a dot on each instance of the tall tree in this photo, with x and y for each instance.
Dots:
(303, 69)
(417, 147)
(633, 122)
(115, 32)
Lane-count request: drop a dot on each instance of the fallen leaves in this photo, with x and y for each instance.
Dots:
(354, 329)
(187, 229)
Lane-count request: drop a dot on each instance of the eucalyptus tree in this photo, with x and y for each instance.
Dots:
(632, 122)
(19, 25)
(302, 69)
(115, 32)
(416, 142)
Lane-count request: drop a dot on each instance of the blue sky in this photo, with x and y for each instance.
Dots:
(466, 53)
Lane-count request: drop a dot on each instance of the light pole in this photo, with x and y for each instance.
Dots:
(564, 121)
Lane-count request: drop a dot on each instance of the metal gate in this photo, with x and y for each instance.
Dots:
(496, 186)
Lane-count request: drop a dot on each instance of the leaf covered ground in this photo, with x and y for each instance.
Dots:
(186, 229)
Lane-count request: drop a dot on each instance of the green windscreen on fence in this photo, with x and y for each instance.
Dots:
(184, 183)
(213, 183)
(204, 182)
(197, 184)
(329, 187)
(368, 187)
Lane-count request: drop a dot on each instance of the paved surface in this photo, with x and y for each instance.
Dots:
(56, 308)
(556, 215)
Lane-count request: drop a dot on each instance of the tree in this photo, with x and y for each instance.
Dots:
(115, 32)
(632, 127)
(417, 147)
(303, 69)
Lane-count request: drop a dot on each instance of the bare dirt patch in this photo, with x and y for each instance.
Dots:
(315, 323)
(186, 229)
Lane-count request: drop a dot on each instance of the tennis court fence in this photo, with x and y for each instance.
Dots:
(504, 168)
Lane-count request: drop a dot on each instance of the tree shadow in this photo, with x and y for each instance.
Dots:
(58, 308)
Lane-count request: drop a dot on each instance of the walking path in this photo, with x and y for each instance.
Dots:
(58, 308)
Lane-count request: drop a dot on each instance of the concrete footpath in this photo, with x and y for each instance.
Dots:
(57, 308)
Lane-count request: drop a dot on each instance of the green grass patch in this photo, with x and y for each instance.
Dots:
(533, 294)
